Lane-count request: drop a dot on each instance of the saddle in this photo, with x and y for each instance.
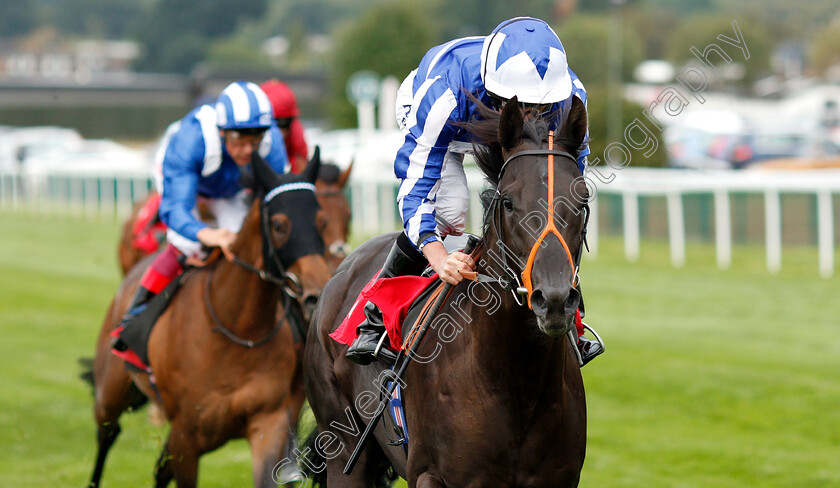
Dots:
(136, 333)
(402, 300)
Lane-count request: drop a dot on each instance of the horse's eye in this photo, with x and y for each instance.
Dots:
(507, 204)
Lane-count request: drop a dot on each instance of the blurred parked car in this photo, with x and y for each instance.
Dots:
(790, 150)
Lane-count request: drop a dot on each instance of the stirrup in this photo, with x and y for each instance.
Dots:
(572, 335)
(382, 352)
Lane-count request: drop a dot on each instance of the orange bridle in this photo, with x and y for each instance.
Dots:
(550, 228)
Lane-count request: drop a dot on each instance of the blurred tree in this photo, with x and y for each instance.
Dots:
(825, 50)
(236, 51)
(94, 18)
(700, 31)
(18, 17)
(176, 33)
(597, 107)
(390, 39)
(480, 17)
(586, 38)
(653, 27)
(680, 7)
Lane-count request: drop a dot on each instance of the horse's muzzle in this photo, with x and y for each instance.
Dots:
(308, 305)
(555, 310)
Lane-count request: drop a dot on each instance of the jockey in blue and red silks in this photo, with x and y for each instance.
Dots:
(202, 156)
(522, 57)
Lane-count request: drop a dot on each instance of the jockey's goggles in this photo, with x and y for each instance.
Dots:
(540, 108)
(284, 122)
(243, 137)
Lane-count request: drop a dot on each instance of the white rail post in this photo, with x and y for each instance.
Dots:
(388, 207)
(631, 225)
(370, 208)
(676, 228)
(723, 229)
(592, 229)
(773, 229)
(825, 232)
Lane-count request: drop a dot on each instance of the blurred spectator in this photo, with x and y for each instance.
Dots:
(286, 114)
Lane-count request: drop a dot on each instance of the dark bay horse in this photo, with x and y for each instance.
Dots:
(224, 367)
(329, 189)
(494, 396)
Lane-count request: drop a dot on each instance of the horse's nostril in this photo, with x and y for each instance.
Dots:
(572, 301)
(538, 302)
(310, 301)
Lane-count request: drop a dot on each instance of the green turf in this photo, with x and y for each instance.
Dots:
(712, 378)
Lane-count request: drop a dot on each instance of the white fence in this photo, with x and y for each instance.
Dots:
(372, 197)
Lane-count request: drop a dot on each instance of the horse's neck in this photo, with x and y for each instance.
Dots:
(242, 300)
(510, 336)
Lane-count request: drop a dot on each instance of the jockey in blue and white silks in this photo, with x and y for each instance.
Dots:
(200, 157)
(195, 160)
(522, 57)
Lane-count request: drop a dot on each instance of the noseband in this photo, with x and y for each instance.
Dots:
(550, 227)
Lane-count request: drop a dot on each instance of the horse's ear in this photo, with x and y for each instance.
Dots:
(574, 130)
(310, 173)
(263, 172)
(510, 125)
(345, 175)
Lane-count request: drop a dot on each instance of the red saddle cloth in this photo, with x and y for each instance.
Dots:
(394, 296)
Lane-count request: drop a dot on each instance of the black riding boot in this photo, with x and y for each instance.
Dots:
(138, 303)
(401, 261)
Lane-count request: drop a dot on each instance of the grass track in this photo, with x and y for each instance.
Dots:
(712, 378)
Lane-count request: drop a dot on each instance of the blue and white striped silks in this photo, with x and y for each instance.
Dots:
(430, 99)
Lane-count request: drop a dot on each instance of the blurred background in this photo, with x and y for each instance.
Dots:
(87, 87)
(715, 137)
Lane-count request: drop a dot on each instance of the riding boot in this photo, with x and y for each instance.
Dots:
(372, 341)
(166, 266)
(141, 297)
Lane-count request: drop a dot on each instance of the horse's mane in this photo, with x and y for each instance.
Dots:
(483, 131)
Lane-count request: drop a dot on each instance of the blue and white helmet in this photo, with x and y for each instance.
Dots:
(243, 105)
(524, 57)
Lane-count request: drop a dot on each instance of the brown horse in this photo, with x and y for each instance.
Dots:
(329, 188)
(494, 396)
(224, 367)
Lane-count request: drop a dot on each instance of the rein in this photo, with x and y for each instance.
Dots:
(278, 279)
(220, 327)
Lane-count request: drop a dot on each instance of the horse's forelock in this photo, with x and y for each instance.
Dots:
(483, 130)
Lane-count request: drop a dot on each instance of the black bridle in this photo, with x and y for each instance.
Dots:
(275, 273)
(509, 278)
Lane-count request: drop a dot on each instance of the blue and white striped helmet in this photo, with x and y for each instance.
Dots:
(524, 57)
(243, 105)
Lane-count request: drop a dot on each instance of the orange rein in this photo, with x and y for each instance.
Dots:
(550, 228)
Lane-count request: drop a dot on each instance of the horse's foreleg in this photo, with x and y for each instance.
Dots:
(163, 470)
(425, 480)
(179, 460)
(114, 393)
(269, 435)
(105, 436)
